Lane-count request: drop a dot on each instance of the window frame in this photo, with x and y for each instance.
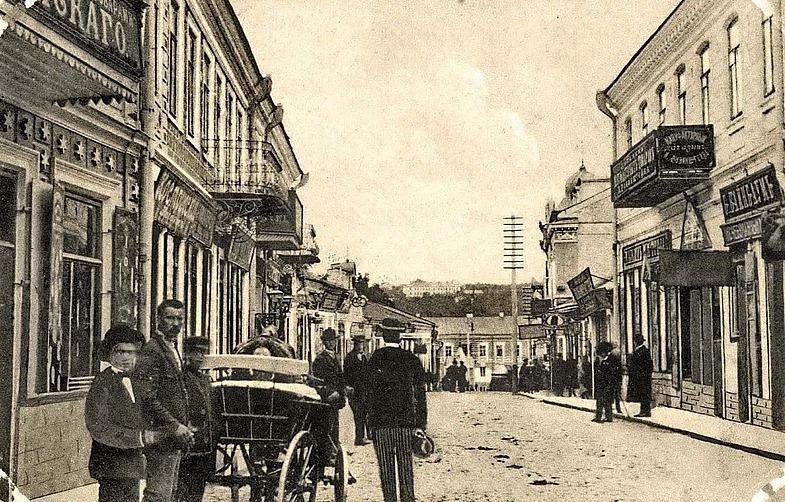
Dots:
(734, 89)
(768, 55)
(173, 49)
(705, 84)
(661, 104)
(681, 94)
(644, 111)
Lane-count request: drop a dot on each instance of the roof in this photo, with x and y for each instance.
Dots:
(377, 312)
(491, 325)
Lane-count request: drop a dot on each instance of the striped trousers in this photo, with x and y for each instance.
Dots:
(393, 445)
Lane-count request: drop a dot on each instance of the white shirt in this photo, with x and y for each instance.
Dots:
(127, 384)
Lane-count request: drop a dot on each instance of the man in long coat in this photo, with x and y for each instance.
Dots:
(327, 368)
(354, 371)
(639, 369)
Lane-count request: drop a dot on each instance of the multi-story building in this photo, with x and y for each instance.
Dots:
(697, 122)
(419, 288)
(576, 238)
(121, 187)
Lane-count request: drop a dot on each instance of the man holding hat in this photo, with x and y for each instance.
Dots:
(327, 368)
(114, 419)
(396, 410)
(197, 463)
(354, 372)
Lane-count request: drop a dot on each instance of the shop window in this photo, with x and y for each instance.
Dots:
(701, 325)
(80, 301)
(768, 57)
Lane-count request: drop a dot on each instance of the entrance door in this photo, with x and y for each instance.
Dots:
(7, 273)
(742, 349)
(717, 360)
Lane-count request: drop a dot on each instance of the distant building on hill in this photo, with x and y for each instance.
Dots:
(419, 288)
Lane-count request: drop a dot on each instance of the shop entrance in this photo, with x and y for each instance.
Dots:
(7, 272)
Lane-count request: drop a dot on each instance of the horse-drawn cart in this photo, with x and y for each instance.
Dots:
(269, 431)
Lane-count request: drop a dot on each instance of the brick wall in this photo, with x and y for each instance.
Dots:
(663, 392)
(697, 398)
(761, 412)
(732, 406)
(54, 448)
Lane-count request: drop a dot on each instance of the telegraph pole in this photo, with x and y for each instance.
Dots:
(513, 260)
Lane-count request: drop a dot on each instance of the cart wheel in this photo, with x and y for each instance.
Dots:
(341, 476)
(298, 473)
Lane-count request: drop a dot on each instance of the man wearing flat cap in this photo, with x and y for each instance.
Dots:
(354, 369)
(197, 463)
(396, 410)
(332, 389)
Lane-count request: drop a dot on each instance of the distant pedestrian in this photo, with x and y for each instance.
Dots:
(605, 382)
(584, 377)
(355, 373)
(639, 369)
(537, 375)
(113, 417)
(615, 355)
(327, 368)
(452, 376)
(463, 383)
(198, 463)
(397, 409)
(571, 376)
(165, 404)
(524, 377)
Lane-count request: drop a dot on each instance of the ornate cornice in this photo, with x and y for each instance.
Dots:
(671, 35)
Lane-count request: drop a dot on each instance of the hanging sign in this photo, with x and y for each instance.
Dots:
(693, 229)
(182, 210)
(742, 231)
(755, 192)
(633, 254)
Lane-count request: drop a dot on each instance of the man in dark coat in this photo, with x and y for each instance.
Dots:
(165, 403)
(452, 375)
(354, 370)
(639, 369)
(608, 370)
(397, 408)
(463, 383)
(114, 419)
(332, 389)
(199, 461)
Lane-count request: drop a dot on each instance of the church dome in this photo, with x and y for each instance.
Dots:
(573, 183)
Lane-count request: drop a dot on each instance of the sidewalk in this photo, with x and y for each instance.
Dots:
(748, 438)
(81, 494)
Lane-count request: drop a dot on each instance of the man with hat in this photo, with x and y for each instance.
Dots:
(113, 417)
(397, 410)
(354, 373)
(332, 389)
(197, 463)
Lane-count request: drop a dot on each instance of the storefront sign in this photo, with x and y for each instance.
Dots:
(741, 231)
(182, 210)
(633, 254)
(541, 307)
(693, 229)
(666, 162)
(125, 249)
(581, 285)
(110, 29)
(696, 269)
(531, 331)
(598, 299)
(754, 192)
(241, 248)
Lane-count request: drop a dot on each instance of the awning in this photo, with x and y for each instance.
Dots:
(695, 269)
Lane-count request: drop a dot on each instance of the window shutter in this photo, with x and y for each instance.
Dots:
(125, 250)
(56, 378)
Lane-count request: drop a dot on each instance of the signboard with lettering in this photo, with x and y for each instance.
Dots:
(581, 285)
(633, 254)
(110, 29)
(182, 210)
(741, 231)
(667, 161)
(596, 300)
(755, 192)
(693, 229)
(241, 248)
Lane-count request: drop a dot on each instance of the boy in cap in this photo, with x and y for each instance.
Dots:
(198, 462)
(114, 419)
(397, 410)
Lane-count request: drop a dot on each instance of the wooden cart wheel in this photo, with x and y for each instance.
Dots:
(298, 473)
(341, 476)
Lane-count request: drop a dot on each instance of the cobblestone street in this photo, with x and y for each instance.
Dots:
(492, 446)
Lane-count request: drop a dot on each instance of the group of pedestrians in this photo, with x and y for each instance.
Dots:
(149, 414)
(533, 376)
(608, 379)
(455, 377)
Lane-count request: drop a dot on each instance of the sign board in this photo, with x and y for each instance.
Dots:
(598, 299)
(540, 307)
(531, 332)
(742, 231)
(109, 29)
(241, 248)
(696, 269)
(581, 285)
(755, 192)
(693, 229)
(634, 253)
(182, 210)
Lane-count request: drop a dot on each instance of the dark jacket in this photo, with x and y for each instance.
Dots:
(354, 369)
(165, 403)
(396, 390)
(607, 374)
(639, 369)
(115, 423)
(327, 368)
(200, 413)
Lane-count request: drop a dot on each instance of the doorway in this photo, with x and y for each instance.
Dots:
(8, 201)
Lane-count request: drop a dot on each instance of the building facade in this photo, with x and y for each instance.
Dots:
(697, 117)
(419, 288)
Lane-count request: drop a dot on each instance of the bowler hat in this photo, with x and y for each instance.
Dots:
(121, 333)
(329, 334)
(391, 324)
(197, 343)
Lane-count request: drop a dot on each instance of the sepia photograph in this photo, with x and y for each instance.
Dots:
(392, 250)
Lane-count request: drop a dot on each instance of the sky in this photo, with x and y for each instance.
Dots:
(423, 123)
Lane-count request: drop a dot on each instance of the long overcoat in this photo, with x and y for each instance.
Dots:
(639, 370)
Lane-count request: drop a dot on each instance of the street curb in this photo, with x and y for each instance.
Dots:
(694, 435)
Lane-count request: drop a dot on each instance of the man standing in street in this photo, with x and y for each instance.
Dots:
(354, 369)
(198, 462)
(396, 409)
(327, 368)
(463, 383)
(165, 401)
(639, 369)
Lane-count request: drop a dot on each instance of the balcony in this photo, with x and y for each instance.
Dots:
(258, 198)
(668, 161)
